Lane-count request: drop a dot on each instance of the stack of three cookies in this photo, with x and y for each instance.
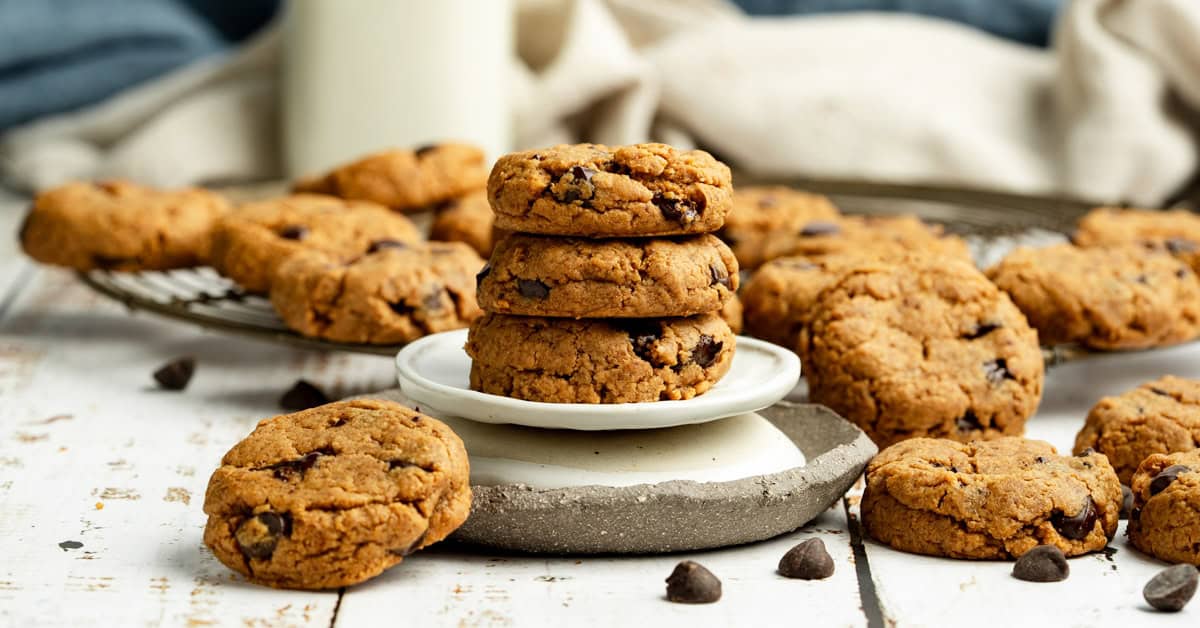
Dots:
(610, 288)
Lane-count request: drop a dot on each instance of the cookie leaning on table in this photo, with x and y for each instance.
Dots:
(333, 496)
(252, 241)
(989, 499)
(632, 278)
(117, 225)
(1165, 521)
(394, 295)
(591, 190)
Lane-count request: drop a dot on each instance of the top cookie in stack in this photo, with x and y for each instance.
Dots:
(611, 287)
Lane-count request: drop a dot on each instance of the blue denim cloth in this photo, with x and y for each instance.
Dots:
(1026, 21)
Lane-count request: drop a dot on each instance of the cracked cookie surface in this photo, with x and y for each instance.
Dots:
(468, 220)
(598, 361)
(117, 225)
(333, 496)
(634, 278)
(1158, 417)
(1176, 230)
(992, 499)
(396, 294)
(251, 242)
(766, 220)
(591, 190)
(926, 347)
(1112, 298)
(1165, 521)
(405, 179)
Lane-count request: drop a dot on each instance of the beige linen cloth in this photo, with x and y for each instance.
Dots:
(1109, 113)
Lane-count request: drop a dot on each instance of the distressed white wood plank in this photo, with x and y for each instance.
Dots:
(1101, 591)
(444, 587)
(91, 452)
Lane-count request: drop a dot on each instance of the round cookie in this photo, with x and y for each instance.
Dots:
(116, 225)
(405, 180)
(534, 275)
(333, 496)
(780, 294)
(468, 220)
(250, 243)
(767, 219)
(1112, 298)
(598, 361)
(394, 295)
(1177, 230)
(591, 190)
(1159, 417)
(925, 346)
(1165, 521)
(992, 499)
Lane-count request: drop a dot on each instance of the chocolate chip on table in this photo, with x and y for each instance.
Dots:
(680, 211)
(1171, 589)
(691, 583)
(1078, 526)
(719, 276)
(706, 351)
(807, 561)
(819, 228)
(1126, 502)
(386, 243)
(258, 535)
(70, 545)
(997, 371)
(176, 374)
(981, 330)
(294, 232)
(1044, 563)
(533, 289)
(1166, 477)
(302, 396)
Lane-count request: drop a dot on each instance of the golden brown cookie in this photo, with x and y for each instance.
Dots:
(1165, 521)
(922, 347)
(117, 225)
(780, 294)
(394, 295)
(405, 180)
(767, 220)
(598, 361)
(468, 220)
(333, 496)
(1177, 230)
(590, 190)
(992, 499)
(733, 314)
(534, 275)
(1112, 298)
(250, 243)
(1158, 417)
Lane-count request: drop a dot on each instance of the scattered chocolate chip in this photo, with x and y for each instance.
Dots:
(482, 274)
(533, 289)
(1159, 391)
(968, 422)
(302, 396)
(807, 561)
(680, 211)
(1166, 477)
(1126, 502)
(421, 151)
(820, 228)
(1078, 526)
(176, 374)
(706, 351)
(1180, 245)
(386, 243)
(1044, 563)
(258, 535)
(70, 545)
(289, 469)
(719, 276)
(294, 232)
(981, 330)
(691, 583)
(997, 371)
(1171, 589)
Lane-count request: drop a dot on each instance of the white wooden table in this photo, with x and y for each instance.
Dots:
(92, 452)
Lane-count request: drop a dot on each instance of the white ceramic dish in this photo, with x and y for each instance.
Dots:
(434, 372)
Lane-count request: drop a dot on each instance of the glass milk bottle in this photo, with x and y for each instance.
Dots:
(364, 75)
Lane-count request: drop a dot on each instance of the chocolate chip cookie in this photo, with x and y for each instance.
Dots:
(590, 190)
(405, 180)
(250, 243)
(1176, 230)
(116, 225)
(1112, 298)
(468, 220)
(333, 496)
(534, 275)
(394, 295)
(780, 294)
(1165, 521)
(598, 361)
(992, 499)
(1159, 417)
(768, 219)
(926, 347)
